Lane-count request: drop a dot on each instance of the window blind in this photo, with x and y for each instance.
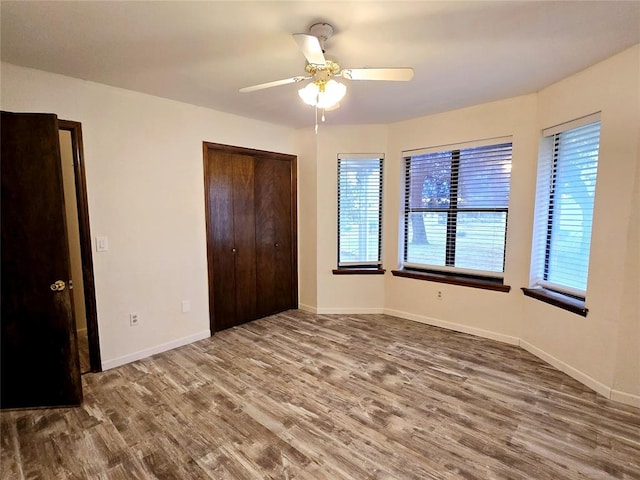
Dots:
(565, 194)
(359, 211)
(456, 205)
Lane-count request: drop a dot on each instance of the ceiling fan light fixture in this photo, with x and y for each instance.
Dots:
(323, 95)
(309, 93)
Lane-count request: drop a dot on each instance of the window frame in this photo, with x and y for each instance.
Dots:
(357, 267)
(448, 273)
(562, 296)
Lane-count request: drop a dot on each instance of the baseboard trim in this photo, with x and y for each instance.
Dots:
(132, 357)
(457, 327)
(583, 378)
(307, 308)
(347, 311)
(626, 398)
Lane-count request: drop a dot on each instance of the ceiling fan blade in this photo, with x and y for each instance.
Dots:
(388, 74)
(275, 83)
(311, 48)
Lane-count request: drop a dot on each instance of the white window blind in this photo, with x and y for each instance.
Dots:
(455, 209)
(565, 191)
(359, 211)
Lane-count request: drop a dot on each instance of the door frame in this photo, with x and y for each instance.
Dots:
(218, 147)
(86, 253)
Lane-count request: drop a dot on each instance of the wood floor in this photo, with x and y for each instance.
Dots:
(301, 396)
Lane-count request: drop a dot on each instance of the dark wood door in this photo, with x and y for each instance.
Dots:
(231, 239)
(250, 201)
(244, 233)
(39, 359)
(273, 235)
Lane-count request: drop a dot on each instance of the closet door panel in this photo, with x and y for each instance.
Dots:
(221, 238)
(244, 229)
(273, 236)
(284, 251)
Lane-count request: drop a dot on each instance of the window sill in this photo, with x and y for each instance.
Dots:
(359, 271)
(464, 281)
(561, 300)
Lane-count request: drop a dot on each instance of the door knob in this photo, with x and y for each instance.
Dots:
(58, 286)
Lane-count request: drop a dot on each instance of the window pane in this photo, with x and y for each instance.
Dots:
(427, 238)
(430, 178)
(576, 158)
(456, 206)
(484, 177)
(359, 210)
(480, 241)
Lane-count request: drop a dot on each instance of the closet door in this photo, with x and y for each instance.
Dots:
(231, 239)
(273, 235)
(250, 200)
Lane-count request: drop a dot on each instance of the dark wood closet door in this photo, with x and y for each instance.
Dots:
(274, 235)
(244, 231)
(250, 200)
(231, 239)
(220, 239)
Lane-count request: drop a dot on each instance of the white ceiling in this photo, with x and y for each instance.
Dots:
(202, 52)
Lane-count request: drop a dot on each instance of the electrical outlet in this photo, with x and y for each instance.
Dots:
(186, 306)
(134, 319)
(439, 295)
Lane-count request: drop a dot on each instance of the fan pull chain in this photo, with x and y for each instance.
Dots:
(316, 119)
(323, 115)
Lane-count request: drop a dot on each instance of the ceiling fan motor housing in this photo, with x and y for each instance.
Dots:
(323, 73)
(322, 31)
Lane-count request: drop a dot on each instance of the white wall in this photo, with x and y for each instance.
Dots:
(494, 314)
(307, 220)
(592, 345)
(463, 308)
(626, 382)
(343, 293)
(145, 185)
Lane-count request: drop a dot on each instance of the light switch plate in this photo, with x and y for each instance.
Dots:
(102, 244)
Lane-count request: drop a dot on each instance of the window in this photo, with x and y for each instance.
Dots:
(565, 192)
(455, 209)
(359, 211)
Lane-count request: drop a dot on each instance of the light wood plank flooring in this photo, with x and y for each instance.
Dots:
(301, 396)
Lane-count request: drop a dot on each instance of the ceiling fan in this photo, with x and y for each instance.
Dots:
(323, 92)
